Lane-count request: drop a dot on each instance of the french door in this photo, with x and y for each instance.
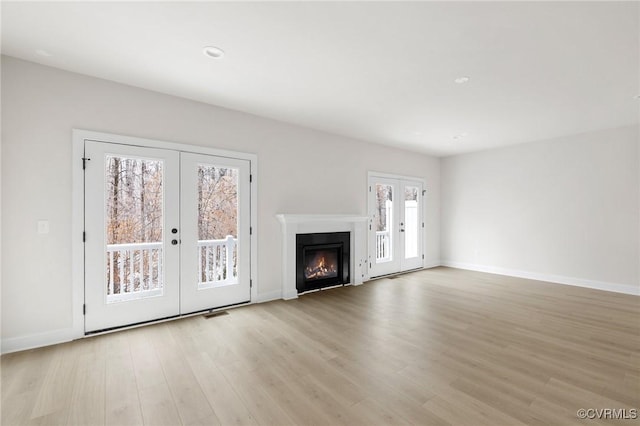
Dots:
(167, 233)
(395, 225)
(215, 232)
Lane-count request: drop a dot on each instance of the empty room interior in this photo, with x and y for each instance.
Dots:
(320, 213)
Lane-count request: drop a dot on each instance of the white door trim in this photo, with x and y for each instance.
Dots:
(371, 174)
(77, 208)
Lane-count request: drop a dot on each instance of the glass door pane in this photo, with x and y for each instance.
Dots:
(384, 222)
(133, 227)
(217, 226)
(411, 222)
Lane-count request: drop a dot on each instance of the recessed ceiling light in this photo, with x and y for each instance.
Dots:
(461, 80)
(213, 52)
(460, 136)
(43, 53)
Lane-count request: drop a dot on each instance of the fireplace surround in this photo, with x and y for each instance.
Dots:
(322, 260)
(294, 224)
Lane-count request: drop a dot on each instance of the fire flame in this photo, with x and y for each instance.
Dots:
(320, 269)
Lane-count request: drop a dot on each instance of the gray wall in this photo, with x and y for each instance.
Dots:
(299, 170)
(565, 209)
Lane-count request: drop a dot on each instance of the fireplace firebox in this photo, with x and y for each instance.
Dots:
(322, 260)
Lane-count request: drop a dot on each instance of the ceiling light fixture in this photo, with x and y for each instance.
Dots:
(460, 136)
(213, 52)
(462, 80)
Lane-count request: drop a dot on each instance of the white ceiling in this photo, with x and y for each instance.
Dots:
(381, 72)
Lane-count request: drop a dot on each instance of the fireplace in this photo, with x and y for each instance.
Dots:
(322, 260)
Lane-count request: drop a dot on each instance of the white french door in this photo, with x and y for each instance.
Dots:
(131, 204)
(215, 232)
(395, 225)
(167, 233)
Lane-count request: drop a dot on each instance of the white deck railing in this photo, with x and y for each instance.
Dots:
(134, 271)
(217, 262)
(383, 246)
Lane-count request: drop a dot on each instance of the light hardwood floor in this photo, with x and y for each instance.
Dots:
(440, 346)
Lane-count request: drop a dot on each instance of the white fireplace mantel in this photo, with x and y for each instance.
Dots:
(293, 224)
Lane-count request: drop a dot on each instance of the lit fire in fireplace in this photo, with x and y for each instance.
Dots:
(320, 267)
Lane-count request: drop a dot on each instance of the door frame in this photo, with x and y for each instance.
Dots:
(77, 208)
(371, 174)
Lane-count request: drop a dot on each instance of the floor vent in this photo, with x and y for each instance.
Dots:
(214, 314)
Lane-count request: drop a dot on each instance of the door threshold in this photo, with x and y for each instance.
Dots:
(165, 319)
(395, 275)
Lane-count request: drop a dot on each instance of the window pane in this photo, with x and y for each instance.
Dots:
(133, 227)
(217, 226)
(384, 223)
(411, 222)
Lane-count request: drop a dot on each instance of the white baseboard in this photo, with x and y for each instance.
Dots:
(290, 295)
(426, 265)
(556, 279)
(37, 340)
(269, 296)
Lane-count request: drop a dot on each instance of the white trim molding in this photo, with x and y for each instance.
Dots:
(37, 340)
(371, 174)
(293, 224)
(555, 279)
(430, 265)
(269, 296)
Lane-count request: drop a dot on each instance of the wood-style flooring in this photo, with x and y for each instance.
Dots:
(435, 347)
